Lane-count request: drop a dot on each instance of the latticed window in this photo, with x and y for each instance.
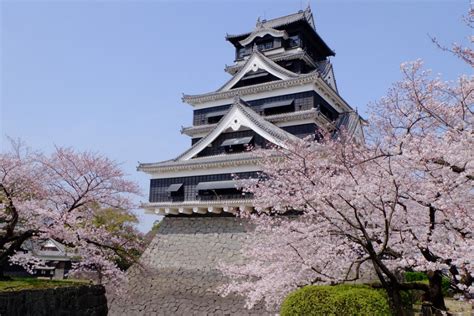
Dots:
(265, 45)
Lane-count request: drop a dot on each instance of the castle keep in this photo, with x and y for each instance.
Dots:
(281, 87)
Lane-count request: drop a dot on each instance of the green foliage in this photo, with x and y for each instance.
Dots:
(121, 223)
(415, 276)
(152, 233)
(114, 220)
(338, 300)
(17, 284)
(422, 277)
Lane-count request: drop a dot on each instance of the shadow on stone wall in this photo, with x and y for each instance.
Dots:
(74, 301)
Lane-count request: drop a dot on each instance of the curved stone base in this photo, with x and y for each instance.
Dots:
(178, 274)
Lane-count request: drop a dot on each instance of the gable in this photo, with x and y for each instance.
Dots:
(330, 79)
(258, 63)
(255, 77)
(239, 117)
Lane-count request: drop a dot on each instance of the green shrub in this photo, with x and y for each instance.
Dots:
(335, 300)
(415, 276)
(421, 276)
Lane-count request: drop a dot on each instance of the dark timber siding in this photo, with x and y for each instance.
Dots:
(303, 101)
(302, 130)
(158, 186)
(215, 148)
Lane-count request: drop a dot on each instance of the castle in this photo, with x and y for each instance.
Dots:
(282, 86)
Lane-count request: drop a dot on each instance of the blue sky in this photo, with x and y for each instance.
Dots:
(108, 76)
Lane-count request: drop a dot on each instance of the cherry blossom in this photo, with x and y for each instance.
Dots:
(336, 210)
(56, 196)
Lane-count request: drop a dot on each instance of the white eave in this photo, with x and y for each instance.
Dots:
(253, 89)
(207, 162)
(199, 207)
(318, 84)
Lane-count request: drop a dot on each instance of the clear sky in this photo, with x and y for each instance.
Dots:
(108, 75)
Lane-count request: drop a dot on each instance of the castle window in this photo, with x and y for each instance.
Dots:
(242, 52)
(175, 190)
(216, 190)
(278, 107)
(329, 113)
(215, 117)
(265, 45)
(254, 75)
(236, 144)
(294, 41)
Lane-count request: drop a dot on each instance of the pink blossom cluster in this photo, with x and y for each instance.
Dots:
(56, 196)
(337, 210)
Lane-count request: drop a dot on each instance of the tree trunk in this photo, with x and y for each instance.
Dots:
(2, 274)
(435, 292)
(395, 300)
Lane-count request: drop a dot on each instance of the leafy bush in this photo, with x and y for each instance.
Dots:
(415, 276)
(422, 277)
(335, 300)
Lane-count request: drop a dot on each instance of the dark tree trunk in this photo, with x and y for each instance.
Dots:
(435, 292)
(3, 277)
(391, 286)
(395, 301)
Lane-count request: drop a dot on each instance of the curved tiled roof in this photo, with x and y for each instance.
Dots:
(261, 32)
(281, 21)
(207, 160)
(205, 97)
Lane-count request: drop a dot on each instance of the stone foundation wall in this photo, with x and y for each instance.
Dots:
(74, 300)
(179, 275)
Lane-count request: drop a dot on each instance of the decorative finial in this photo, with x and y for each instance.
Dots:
(259, 23)
(254, 48)
(309, 15)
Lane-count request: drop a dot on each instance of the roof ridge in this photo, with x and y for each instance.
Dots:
(301, 13)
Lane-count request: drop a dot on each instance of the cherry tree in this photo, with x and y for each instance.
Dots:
(57, 196)
(336, 210)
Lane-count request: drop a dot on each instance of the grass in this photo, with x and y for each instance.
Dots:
(17, 284)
